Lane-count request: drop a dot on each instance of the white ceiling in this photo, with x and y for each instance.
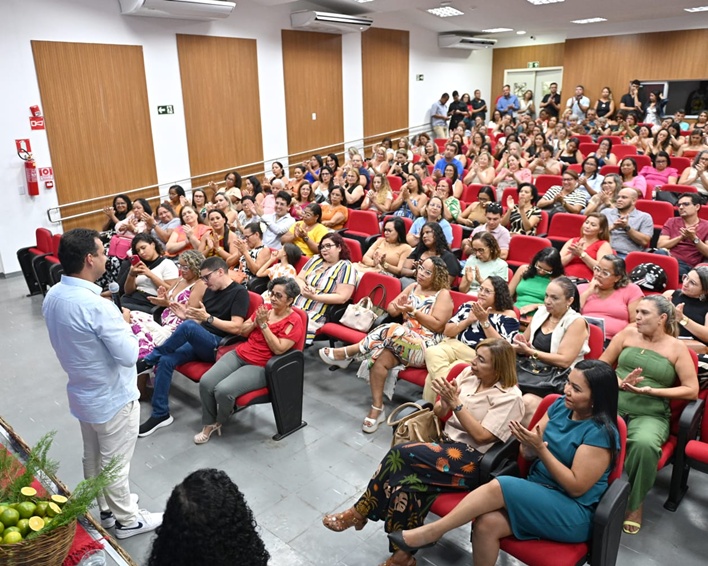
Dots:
(547, 23)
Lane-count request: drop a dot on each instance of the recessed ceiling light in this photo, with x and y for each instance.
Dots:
(698, 9)
(521, 32)
(496, 30)
(541, 2)
(589, 21)
(364, 1)
(445, 12)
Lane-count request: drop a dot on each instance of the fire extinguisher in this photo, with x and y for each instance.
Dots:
(30, 173)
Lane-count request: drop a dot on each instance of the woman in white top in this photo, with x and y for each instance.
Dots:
(697, 174)
(148, 272)
(526, 105)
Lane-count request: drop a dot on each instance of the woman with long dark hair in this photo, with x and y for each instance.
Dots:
(530, 281)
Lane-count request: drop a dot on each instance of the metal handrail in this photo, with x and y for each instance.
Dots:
(53, 211)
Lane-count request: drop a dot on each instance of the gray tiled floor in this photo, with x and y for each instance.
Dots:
(289, 484)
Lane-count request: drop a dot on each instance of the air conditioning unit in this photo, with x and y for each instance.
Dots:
(328, 22)
(179, 9)
(464, 41)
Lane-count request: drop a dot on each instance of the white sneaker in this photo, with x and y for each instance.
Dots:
(108, 519)
(144, 523)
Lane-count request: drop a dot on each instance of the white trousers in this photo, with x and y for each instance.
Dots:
(102, 442)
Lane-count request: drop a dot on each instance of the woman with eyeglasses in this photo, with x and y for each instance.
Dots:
(307, 233)
(324, 184)
(660, 173)
(490, 316)
(432, 243)
(476, 213)
(607, 197)
(697, 174)
(425, 306)
(580, 255)
(387, 254)
(653, 367)
(610, 295)
(250, 254)
(568, 197)
(117, 211)
(272, 330)
(691, 302)
(484, 262)
(530, 281)
(328, 278)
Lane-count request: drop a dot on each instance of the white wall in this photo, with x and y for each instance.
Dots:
(99, 21)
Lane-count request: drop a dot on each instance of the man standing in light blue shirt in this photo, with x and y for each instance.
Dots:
(98, 351)
(508, 103)
(439, 117)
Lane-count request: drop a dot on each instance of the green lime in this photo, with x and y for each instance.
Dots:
(28, 491)
(9, 517)
(12, 530)
(26, 509)
(2, 528)
(23, 525)
(36, 523)
(12, 537)
(59, 500)
(41, 509)
(53, 510)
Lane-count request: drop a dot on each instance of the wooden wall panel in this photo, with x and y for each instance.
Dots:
(221, 104)
(94, 99)
(312, 73)
(385, 82)
(615, 60)
(550, 55)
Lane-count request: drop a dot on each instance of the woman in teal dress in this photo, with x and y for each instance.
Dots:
(653, 367)
(529, 283)
(574, 445)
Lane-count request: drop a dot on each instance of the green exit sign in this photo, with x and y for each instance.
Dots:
(168, 109)
(532, 65)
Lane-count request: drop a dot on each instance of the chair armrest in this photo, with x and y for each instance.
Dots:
(277, 362)
(334, 313)
(607, 524)
(689, 422)
(499, 460)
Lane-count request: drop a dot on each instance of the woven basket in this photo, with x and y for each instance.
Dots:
(49, 549)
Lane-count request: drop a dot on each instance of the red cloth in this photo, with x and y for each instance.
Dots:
(576, 267)
(255, 350)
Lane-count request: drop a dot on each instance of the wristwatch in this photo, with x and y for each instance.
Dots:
(305, 238)
(210, 319)
(696, 240)
(263, 326)
(458, 408)
(583, 255)
(486, 324)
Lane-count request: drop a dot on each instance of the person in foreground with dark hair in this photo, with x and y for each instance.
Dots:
(574, 445)
(221, 527)
(97, 350)
(221, 312)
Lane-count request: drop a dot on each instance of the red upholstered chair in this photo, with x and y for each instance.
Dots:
(510, 192)
(586, 148)
(679, 188)
(25, 256)
(395, 182)
(667, 263)
(470, 192)
(660, 211)
(680, 163)
(301, 263)
(622, 151)
(596, 343)
(691, 449)
(616, 140)
(607, 169)
(381, 288)
(565, 226)
(407, 221)
(577, 167)
(440, 142)
(689, 154)
(542, 227)
(456, 236)
(360, 225)
(354, 247)
(641, 161)
(523, 248)
(607, 525)
(583, 138)
(545, 182)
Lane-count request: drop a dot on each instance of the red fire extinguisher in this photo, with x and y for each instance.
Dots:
(30, 173)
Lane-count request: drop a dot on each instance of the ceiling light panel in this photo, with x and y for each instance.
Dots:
(698, 9)
(589, 21)
(496, 30)
(541, 2)
(445, 12)
(364, 1)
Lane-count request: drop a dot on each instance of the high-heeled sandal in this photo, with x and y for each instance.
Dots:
(204, 436)
(326, 355)
(396, 537)
(339, 522)
(372, 425)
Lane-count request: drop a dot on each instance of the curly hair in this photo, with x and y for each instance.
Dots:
(502, 297)
(194, 260)
(441, 275)
(439, 237)
(207, 521)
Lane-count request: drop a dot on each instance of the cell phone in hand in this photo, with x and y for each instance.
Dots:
(135, 260)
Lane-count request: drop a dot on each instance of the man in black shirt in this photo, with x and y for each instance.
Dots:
(632, 101)
(551, 101)
(457, 110)
(221, 313)
(479, 107)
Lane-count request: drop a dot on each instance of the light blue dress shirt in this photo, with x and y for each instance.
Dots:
(96, 348)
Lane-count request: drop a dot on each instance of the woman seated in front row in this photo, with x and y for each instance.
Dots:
(426, 306)
(481, 403)
(490, 316)
(557, 335)
(653, 367)
(272, 330)
(574, 448)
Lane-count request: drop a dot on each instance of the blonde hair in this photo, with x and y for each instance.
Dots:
(503, 360)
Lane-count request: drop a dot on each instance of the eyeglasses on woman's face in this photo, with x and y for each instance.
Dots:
(601, 272)
(542, 270)
(425, 271)
(689, 281)
(479, 250)
(327, 247)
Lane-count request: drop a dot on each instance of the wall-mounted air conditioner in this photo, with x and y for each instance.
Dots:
(464, 41)
(179, 9)
(328, 22)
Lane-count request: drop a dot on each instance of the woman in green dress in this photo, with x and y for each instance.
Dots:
(653, 367)
(528, 286)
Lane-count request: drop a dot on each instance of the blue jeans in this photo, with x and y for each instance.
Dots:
(188, 343)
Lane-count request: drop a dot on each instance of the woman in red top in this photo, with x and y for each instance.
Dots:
(580, 255)
(272, 330)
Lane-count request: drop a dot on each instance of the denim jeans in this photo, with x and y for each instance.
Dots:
(189, 342)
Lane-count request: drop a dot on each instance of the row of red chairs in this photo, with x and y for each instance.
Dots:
(40, 262)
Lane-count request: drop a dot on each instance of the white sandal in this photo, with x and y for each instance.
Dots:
(327, 357)
(372, 425)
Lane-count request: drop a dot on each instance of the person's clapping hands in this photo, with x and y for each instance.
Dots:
(448, 391)
(161, 300)
(199, 313)
(629, 383)
(531, 441)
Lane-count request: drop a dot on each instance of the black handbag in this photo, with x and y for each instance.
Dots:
(538, 378)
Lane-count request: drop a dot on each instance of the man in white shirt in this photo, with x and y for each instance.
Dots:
(579, 103)
(98, 351)
(277, 223)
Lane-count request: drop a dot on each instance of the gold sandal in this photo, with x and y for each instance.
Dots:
(339, 522)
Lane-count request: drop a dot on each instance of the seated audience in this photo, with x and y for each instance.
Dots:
(543, 163)
(607, 197)
(303, 197)
(569, 197)
(490, 316)
(432, 244)
(604, 154)
(380, 197)
(200, 202)
(448, 157)
(451, 208)
(178, 198)
(653, 367)
(695, 143)
(433, 212)
(476, 213)
(272, 330)
(282, 263)
(493, 216)
(483, 401)
(631, 178)
(136, 220)
(147, 275)
(250, 255)
(334, 213)
(189, 234)
(661, 173)
(220, 241)
(590, 179)
(161, 228)
(697, 175)
(328, 278)
(510, 174)
(387, 254)
(354, 191)
(411, 199)
(571, 154)
(426, 306)
(558, 498)
(484, 261)
(580, 255)
(522, 218)
(218, 501)
(530, 281)
(307, 233)
(481, 171)
(450, 173)
(685, 237)
(279, 222)
(631, 230)
(116, 212)
(323, 185)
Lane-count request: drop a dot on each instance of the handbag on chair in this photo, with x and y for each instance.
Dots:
(538, 378)
(361, 316)
(420, 426)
